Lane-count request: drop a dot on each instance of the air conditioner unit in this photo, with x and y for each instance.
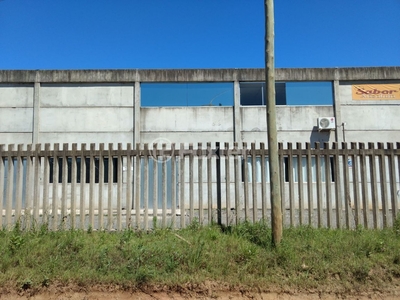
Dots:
(326, 123)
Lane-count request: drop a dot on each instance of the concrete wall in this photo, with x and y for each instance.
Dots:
(368, 120)
(294, 124)
(187, 124)
(83, 113)
(16, 113)
(98, 106)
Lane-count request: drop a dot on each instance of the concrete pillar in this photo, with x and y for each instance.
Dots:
(339, 135)
(136, 112)
(237, 113)
(36, 109)
(337, 109)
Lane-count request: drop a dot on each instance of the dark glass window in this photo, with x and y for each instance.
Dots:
(87, 173)
(254, 93)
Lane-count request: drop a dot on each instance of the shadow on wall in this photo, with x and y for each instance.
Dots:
(319, 136)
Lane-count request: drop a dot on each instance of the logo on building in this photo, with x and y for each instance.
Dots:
(376, 92)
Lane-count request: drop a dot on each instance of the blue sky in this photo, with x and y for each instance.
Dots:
(124, 34)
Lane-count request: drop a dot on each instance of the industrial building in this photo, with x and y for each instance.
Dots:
(191, 106)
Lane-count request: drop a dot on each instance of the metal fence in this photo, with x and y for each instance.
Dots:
(334, 186)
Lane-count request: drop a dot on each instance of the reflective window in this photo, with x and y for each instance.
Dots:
(309, 93)
(186, 94)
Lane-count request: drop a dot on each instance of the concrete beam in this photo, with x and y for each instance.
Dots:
(136, 114)
(237, 113)
(199, 75)
(36, 110)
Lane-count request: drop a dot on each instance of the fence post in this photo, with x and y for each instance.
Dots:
(300, 181)
(328, 182)
(364, 183)
(291, 185)
(120, 166)
(36, 183)
(46, 177)
(110, 180)
(383, 179)
(346, 184)
(128, 200)
(227, 184)
(137, 190)
(263, 184)
(209, 183)
(310, 190)
(254, 180)
(54, 202)
(155, 182)
(101, 184)
(182, 184)
(64, 183)
(319, 188)
(393, 184)
(164, 185)
(218, 171)
(19, 188)
(91, 183)
(282, 179)
(10, 186)
(374, 194)
(173, 185)
(2, 184)
(246, 183)
(191, 183)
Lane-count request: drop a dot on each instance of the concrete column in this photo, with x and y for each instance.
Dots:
(237, 113)
(36, 109)
(136, 111)
(339, 135)
(337, 109)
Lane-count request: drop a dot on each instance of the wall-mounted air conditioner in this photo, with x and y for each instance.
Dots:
(326, 123)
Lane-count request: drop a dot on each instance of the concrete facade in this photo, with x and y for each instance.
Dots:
(103, 106)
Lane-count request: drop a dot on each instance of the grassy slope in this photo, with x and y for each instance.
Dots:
(328, 260)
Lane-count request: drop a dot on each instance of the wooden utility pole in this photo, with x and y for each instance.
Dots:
(276, 207)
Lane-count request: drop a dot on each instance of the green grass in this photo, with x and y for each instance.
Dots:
(316, 259)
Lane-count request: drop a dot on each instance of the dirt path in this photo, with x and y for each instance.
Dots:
(70, 294)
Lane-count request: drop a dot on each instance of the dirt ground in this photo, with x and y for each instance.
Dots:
(206, 291)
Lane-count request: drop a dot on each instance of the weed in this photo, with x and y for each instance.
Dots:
(396, 225)
(361, 272)
(195, 258)
(143, 275)
(43, 229)
(257, 233)
(172, 262)
(396, 259)
(103, 260)
(46, 282)
(194, 225)
(154, 222)
(26, 284)
(16, 241)
(126, 236)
